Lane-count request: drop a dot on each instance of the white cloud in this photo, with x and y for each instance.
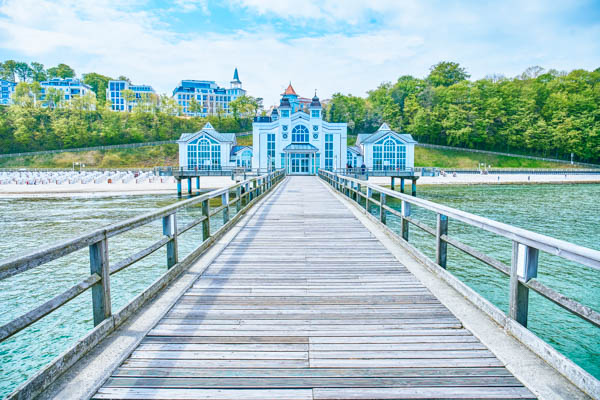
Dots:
(106, 37)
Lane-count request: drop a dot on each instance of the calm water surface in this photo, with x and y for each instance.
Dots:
(569, 212)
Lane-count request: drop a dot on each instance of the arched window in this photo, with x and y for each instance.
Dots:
(300, 134)
(202, 154)
(389, 155)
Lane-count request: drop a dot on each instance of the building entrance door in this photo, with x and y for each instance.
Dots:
(300, 163)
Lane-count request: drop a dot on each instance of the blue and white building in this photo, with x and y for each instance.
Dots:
(211, 97)
(114, 94)
(70, 88)
(299, 141)
(384, 150)
(208, 149)
(7, 88)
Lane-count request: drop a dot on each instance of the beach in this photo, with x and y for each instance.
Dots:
(215, 182)
(107, 189)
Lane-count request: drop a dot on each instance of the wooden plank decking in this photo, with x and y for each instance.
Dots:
(306, 304)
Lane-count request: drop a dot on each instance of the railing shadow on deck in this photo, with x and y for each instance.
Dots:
(246, 194)
(522, 271)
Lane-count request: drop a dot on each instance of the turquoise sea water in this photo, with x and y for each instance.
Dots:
(569, 212)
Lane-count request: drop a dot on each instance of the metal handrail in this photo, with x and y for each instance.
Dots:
(526, 244)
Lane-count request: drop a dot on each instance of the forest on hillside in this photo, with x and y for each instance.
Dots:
(546, 113)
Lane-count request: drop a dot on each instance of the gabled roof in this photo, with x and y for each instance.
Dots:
(237, 149)
(210, 131)
(300, 115)
(355, 149)
(290, 91)
(384, 130)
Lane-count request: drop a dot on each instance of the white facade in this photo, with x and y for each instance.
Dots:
(207, 149)
(386, 150)
(298, 141)
(69, 88)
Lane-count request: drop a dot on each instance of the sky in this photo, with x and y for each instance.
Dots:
(347, 46)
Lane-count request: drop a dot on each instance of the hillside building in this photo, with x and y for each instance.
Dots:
(114, 94)
(211, 99)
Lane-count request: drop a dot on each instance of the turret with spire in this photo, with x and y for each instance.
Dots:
(236, 83)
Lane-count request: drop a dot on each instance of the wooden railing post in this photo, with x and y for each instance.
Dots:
(405, 223)
(441, 246)
(357, 195)
(238, 195)
(206, 222)
(381, 209)
(170, 230)
(100, 291)
(524, 265)
(225, 202)
(369, 195)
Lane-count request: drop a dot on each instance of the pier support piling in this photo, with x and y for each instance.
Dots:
(178, 187)
(402, 185)
(414, 188)
(189, 183)
(198, 182)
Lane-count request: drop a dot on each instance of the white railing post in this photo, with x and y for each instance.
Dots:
(170, 230)
(524, 265)
(405, 213)
(441, 247)
(225, 202)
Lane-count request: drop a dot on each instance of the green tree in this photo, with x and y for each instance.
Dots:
(99, 84)
(38, 73)
(447, 73)
(23, 72)
(61, 71)
(53, 97)
(8, 70)
(129, 96)
(194, 106)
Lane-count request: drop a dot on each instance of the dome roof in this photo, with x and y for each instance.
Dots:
(285, 102)
(315, 101)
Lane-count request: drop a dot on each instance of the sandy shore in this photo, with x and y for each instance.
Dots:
(474, 179)
(110, 189)
(210, 182)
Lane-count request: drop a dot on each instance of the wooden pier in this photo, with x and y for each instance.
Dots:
(306, 304)
(305, 293)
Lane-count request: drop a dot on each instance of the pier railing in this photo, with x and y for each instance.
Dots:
(526, 246)
(235, 201)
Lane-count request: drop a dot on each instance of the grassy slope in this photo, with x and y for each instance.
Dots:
(150, 156)
(167, 155)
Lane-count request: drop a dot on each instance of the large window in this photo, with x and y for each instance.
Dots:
(192, 150)
(389, 155)
(204, 154)
(329, 151)
(271, 150)
(300, 134)
(245, 159)
(352, 159)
